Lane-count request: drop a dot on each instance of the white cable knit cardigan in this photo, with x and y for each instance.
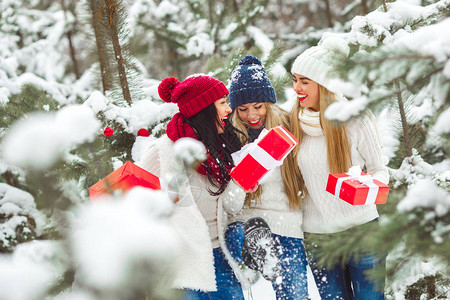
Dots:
(201, 225)
(323, 212)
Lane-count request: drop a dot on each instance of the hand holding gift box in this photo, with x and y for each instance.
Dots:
(124, 178)
(255, 161)
(357, 188)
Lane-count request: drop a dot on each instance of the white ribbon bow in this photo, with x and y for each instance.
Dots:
(355, 174)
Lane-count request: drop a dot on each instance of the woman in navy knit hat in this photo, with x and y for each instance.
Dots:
(201, 267)
(273, 210)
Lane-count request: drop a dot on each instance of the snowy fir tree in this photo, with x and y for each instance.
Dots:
(390, 71)
(183, 34)
(68, 118)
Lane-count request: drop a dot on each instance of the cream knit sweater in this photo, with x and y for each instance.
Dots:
(274, 208)
(322, 211)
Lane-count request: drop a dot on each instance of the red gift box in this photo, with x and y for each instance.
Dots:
(262, 156)
(357, 188)
(124, 178)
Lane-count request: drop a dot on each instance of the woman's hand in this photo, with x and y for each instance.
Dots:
(253, 188)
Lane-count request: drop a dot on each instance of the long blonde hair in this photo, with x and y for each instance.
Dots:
(338, 149)
(275, 116)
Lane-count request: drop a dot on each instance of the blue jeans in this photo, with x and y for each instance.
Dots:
(292, 256)
(348, 281)
(228, 287)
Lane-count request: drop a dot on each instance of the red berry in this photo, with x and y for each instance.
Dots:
(143, 132)
(108, 131)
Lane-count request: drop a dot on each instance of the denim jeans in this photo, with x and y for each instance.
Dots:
(347, 280)
(228, 287)
(291, 253)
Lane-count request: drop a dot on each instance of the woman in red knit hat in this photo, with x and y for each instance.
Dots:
(202, 266)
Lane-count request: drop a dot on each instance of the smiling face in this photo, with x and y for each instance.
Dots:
(307, 92)
(223, 109)
(254, 114)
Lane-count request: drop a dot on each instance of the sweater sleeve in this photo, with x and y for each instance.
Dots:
(150, 160)
(233, 198)
(368, 145)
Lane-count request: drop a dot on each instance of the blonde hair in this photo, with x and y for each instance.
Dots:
(338, 149)
(275, 116)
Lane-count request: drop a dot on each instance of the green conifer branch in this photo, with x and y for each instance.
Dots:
(404, 123)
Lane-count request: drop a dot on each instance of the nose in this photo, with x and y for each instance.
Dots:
(252, 114)
(296, 86)
(228, 109)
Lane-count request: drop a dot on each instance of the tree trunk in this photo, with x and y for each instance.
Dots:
(384, 5)
(112, 8)
(235, 7)
(217, 29)
(102, 51)
(329, 15)
(364, 7)
(76, 70)
(211, 13)
(71, 47)
(10, 179)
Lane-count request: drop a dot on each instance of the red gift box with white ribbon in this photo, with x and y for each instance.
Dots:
(124, 178)
(255, 161)
(357, 188)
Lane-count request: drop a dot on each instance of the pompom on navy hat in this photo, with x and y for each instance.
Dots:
(250, 83)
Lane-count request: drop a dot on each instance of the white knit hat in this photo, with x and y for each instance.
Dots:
(317, 63)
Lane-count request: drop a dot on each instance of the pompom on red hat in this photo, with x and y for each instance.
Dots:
(193, 94)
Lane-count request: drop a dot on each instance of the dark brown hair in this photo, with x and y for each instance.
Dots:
(219, 146)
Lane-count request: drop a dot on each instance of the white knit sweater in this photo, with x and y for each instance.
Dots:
(322, 211)
(274, 208)
(200, 221)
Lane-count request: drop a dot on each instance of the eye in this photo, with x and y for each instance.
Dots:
(304, 82)
(242, 109)
(258, 107)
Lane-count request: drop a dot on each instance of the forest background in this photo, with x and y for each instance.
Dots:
(78, 98)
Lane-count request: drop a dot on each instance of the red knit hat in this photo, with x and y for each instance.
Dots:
(193, 94)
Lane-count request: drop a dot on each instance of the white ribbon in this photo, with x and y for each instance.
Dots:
(264, 158)
(238, 156)
(355, 174)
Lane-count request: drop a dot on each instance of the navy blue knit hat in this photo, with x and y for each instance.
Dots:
(249, 83)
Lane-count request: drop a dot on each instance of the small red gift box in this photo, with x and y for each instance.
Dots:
(124, 178)
(357, 188)
(257, 159)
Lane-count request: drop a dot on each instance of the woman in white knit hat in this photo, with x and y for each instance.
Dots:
(326, 147)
